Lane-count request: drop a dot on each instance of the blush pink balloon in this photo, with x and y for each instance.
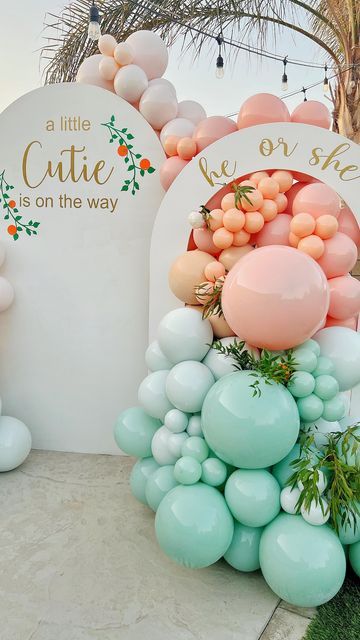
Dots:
(303, 177)
(293, 191)
(275, 297)
(317, 199)
(350, 323)
(170, 170)
(344, 297)
(339, 257)
(212, 129)
(260, 109)
(349, 225)
(203, 239)
(275, 232)
(312, 112)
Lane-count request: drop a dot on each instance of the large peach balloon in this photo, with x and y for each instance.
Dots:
(275, 297)
(275, 232)
(170, 170)
(312, 112)
(212, 129)
(186, 273)
(339, 257)
(260, 109)
(220, 327)
(317, 199)
(344, 297)
(349, 225)
(88, 73)
(229, 257)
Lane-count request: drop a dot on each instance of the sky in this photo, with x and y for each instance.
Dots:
(23, 36)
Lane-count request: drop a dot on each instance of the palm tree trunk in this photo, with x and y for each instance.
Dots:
(347, 101)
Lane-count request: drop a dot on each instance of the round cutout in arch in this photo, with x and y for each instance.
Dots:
(83, 174)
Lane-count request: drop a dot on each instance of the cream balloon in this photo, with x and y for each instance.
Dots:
(130, 83)
(181, 127)
(123, 54)
(163, 82)
(191, 110)
(107, 44)
(150, 52)
(229, 257)
(88, 73)
(158, 105)
(108, 68)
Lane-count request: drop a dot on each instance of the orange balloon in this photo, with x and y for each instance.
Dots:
(257, 176)
(284, 180)
(214, 270)
(254, 222)
(223, 238)
(216, 219)
(312, 245)
(281, 202)
(269, 187)
(233, 220)
(241, 238)
(269, 210)
(293, 240)
(220, 327)
(230, 256)
(170, 146)
(256, 201)
(228, 201)
(186, 148)
(187, 272)
(326, 226)
(303, 224)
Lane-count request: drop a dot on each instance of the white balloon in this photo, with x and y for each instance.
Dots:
(187, 385)
(321, 482)
(194, 427)
(181, 127)
(184, 335)
(315, 515)
(158, 105)
(160, 447)
(289, 498)
(342, 346)
(155, 359)
(130, 83)
(163, 82)
(15, 443)
(123, 54)
(2, 254)
(319, 429)
(196, 220)
(152, 395)
(176, 442)
(88, 73)
(191, 110)
(150, 52)
(6, 294)
(176, 421)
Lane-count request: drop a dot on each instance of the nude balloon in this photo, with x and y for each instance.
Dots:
(88, 73)
(349, 225)
(180, 127)
(150, 52)
(212, 129)
(275, 297)
(186, 148)
(260, 109)
(317, 199)
(312, 112)
(275, 232)
(108, 68)
(107, 44)
(229, 257)
(170, 170)
(191, 110)
(130, 82)
(187, 272)
(158, 105)
(220, 327)
(123, 54)
(339, 257)
(344, 297)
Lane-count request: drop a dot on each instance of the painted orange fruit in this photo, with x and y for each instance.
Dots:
(12, 229)
(122, 150)
(12, 204)
(145, 164)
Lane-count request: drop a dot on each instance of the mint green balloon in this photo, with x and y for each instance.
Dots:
(139, 476)
(354, 557)
(349, 533)
(283, 469)
(214, 472)
(301, 384)
(195, 447)
(158, 485)
(134, 431)
(303, 564)
(324, 367)
(253, 496)
(326, 387)
(334, 409)
(312, 345)
(187, 470)
(310, 408)
(243, 553)
(306, 359)
(245, 430)
(193, 525)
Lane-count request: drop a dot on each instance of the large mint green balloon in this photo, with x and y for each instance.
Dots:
(139, 476)
(354, 557)
(187, 385)
(152, 394)
(243, 553)
(158, 485)
(249, 431)
(134, 431)
(184, 335)
(349, 533)
(253, 496)
(193, 525)
(283, 470)
(303, 564)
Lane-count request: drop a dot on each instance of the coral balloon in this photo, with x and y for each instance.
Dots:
(350, 323)
(88, 73)
(211, 129)
(186, 148)
(170, 146)
(326, 227)
(223, 238)
(339, 257)
(108, 68)
(191, 110)
(254, 222)
(269, 210)
(275, 297)
(281, 202)
(293, 240)
(312, 245)
(260, 109)
(303, 224)
(228, 201)
(158, 105)
(284, 180)
(150, 52)
(233, 220)
(317, 199)
(214, 270)
(130, 82)
(344, 297)
(203, 239)
(180, 127)
(268, 187)
(107, 44)
(312, 112)
(170, 170)
(241, 238)
(257, 176)
(275, 232)
(186, 273)
(216, 219)
(230, 256)
(253, 201)
(123, 54)
(349, 225)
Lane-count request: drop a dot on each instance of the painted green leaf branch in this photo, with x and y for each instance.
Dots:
(11, 212)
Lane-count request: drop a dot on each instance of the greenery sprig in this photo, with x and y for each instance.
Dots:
(210, 297)
(343, 488)
(11, 212)
(241, 192)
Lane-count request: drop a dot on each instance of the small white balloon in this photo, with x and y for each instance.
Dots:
(315, 514)
(150, 52)
(164, 83)
(160, 447)
(155, 359)
(196, 220)
(181, 127)
(176, 421)
(158, 105)
(123, 54)
(15, 443)
(6, 294)
(130, 83)
(191, 110)
(321, 482)
(194, 427)
(176, 442)
(289, 498)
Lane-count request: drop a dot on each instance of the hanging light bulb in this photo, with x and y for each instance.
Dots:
(220, 60)
(284, 79)
(304, 92)
(94, 31)
(326, 86)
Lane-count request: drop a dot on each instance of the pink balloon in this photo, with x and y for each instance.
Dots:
(158, 105)
(203, 239)
(303, 177)
(275, 297)
(260, 109)
(170, 170)
(293, 191)
(339, 257)
(88, 73)
(349, 225)
(275, 232)
(317, 199)
(312, 112)
(212, 129)
(350, 323)
(344, 297)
